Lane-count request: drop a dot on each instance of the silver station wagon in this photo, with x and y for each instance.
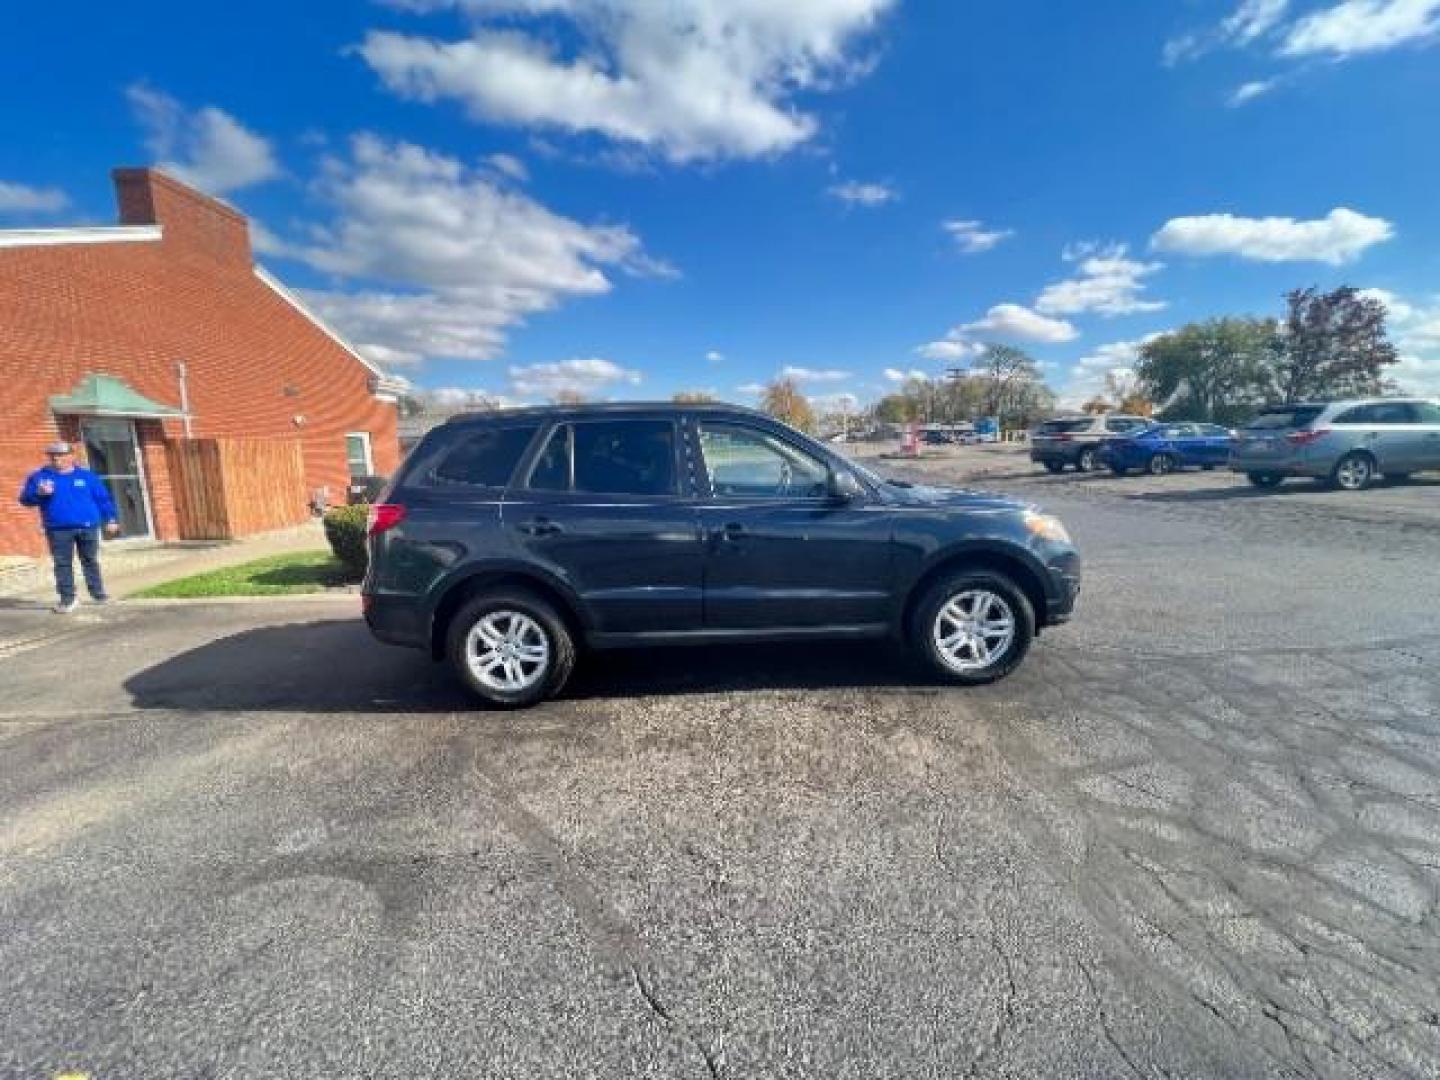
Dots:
(1348, 443)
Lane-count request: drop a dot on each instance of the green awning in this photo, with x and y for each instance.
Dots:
(105, 395)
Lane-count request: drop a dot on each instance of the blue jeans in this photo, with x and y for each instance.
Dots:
(63, 545)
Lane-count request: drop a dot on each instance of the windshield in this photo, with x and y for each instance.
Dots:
(1290, 416)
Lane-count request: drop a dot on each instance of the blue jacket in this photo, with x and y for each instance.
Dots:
(80, 499)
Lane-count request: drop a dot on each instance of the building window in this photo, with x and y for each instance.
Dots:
(357, 455)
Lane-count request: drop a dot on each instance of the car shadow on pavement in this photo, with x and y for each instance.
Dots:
(1243, 490)
(335, 666)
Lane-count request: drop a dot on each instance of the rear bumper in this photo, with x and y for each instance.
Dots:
(1286, 465)
(397, 620)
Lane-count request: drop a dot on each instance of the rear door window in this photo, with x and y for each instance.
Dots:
(1427, 412)
(624, 457)
(485, 458)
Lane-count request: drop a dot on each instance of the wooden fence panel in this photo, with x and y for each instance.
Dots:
(198, 490)
(227, 488)
(264, 484)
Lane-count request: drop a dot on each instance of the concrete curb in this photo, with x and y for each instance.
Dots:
(291, 598)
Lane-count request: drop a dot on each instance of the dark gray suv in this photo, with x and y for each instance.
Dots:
(509, 539)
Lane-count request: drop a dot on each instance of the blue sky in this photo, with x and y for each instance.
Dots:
(631, 198)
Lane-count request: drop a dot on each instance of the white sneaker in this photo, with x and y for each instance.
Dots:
(65, 607)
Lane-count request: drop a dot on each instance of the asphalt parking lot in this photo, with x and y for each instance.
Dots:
(1197, 834)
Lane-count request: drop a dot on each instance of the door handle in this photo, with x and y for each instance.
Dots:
(541, 527)
(728, 533)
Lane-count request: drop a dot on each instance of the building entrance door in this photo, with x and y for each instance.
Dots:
(113, 453)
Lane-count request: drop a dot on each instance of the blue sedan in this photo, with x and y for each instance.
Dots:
(1163, 448)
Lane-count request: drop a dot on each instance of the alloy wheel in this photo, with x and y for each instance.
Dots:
(974, 630)
(507, 651)
(1353, 473)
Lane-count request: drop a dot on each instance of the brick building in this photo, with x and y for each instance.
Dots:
(149, 340)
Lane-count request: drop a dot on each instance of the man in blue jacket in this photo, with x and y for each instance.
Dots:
(74, 505)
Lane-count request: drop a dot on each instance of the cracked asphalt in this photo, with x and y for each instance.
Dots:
(1198, 834)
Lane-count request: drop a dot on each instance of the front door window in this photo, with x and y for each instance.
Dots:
(113, 453)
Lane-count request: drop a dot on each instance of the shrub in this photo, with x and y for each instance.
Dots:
(345, 530)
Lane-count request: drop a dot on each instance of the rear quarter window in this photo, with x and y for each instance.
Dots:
(1292, 416)
(486, 457)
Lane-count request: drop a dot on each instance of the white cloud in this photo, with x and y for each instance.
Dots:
(1249, 22)
(1416, 374)
(895, 375)
(973, 238)
(509, 165)
(22, 199)
(1362, 26)
(587, 377)
(1254, 19)
(442, 259)
(1396, 308)
(751, 388)
(950, 348)
(1110, 283)
(1249, 91)
(1115, 361)
(714, 356)
(1015, 321)
(1337, 238)
(860, 194)
(813, 375)
(689, 79)
(208, 149)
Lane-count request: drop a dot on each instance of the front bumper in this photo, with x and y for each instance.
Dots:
(1063, 592)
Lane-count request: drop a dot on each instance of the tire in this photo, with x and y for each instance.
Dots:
(964, 665)
(1265, 480)
(1353, 472)
(1086, 460)
(538, 624)
(1054, 467)
(1207, 468)
(1161, 465)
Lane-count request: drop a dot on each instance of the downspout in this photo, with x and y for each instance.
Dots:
(184, 396)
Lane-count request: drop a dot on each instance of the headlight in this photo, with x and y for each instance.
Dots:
(1046, 527)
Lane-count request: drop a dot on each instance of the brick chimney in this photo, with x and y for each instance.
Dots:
(190, 220)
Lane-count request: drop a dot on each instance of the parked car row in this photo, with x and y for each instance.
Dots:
(1349, 444)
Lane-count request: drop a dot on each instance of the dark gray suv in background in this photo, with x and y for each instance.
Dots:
(1348, 443)
(508, 539)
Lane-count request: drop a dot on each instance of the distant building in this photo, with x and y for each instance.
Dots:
(131, 340)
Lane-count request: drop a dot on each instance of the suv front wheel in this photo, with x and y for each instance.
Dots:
(973, 627)
(510, 648)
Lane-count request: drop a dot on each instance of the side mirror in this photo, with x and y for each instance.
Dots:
(844, 487)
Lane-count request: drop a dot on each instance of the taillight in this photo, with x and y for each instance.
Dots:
(1305, 438)
(383, 517)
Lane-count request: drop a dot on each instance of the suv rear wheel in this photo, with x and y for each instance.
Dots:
(1162, 465)
(1054, 466)
(1353, 472)
(510, 648)
(1086, 460)
(973, 627)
